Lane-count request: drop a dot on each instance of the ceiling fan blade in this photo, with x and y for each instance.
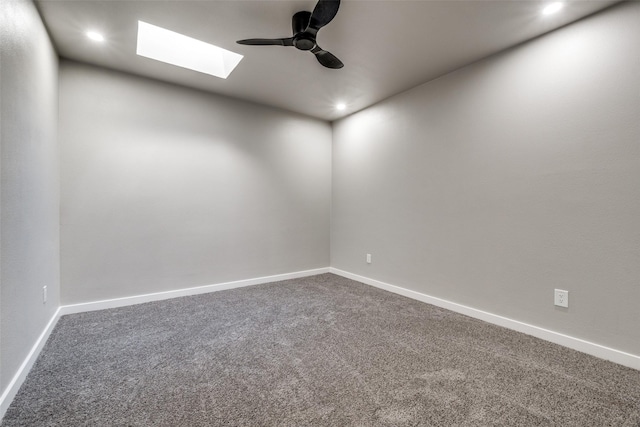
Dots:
(322, 14)
(267, 42)
(326, 58)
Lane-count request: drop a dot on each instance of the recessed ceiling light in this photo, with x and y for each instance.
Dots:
(340, 106)
(552, 8)
(95, 36)
(186, 52)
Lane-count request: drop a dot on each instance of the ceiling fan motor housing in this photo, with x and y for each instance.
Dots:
(301, 39)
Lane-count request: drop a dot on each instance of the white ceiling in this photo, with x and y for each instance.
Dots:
(387, 46)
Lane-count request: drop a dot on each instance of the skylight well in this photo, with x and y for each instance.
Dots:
(177, 49)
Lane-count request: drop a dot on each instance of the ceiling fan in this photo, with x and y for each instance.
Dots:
(305, 28)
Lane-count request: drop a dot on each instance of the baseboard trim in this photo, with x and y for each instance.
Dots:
(597, 350)
(17, 380)
(158, 296)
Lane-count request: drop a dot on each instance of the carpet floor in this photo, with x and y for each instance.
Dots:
(317, 351)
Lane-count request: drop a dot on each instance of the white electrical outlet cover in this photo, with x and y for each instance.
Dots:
(561, 298)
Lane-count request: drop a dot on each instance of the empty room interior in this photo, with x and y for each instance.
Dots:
(319, 213)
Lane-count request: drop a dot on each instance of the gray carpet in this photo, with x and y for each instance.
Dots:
(319, 351)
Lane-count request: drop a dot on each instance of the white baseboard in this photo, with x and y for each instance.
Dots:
(597, 350)
(157, 296)
(17, 380)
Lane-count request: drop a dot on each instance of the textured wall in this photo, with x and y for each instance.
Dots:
(166, 188)
(29, 193)
(497, 183)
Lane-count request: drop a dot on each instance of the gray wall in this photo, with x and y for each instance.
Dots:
(29, 193)
(497, 183)
(166, 188)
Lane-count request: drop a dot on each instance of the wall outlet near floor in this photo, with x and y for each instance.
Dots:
(561, 298)
(368, 258)
(44, 294)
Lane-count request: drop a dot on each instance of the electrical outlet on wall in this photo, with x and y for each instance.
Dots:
(368, 258)
(44, 294)
(561, 298)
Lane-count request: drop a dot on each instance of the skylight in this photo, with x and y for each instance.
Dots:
(177, 49)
